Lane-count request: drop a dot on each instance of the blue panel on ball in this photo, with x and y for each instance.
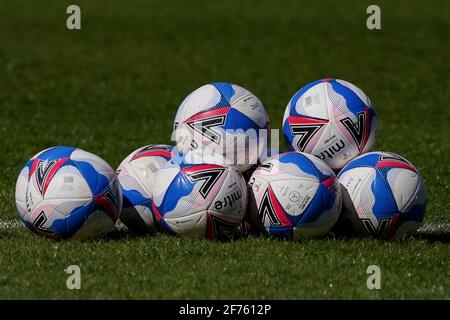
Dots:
(56, 153)
(69, 225)
(236, 120)
(367, 160)
(96, 181)
(385, 205)
(323, 200)
(353, 102)
(133, 198)
(384, 172)
(226, 89)
(303, 163)
(178, 188)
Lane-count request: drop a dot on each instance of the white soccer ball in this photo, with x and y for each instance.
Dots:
(384, 196)
(199, 200)
(136, 176)
(293, 195)
(222, 119)
(69, 194)
(331, 119)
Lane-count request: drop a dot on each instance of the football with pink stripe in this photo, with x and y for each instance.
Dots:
(199, 200)
(384, 197)
(68, 193)
(331, 119)
(293, 195)
(225, 120)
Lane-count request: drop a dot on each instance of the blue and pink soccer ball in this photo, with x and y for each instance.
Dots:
(294, 195)
(68, 193)
(331, 119)
(222, 123)
(384, 196)
(199, 200)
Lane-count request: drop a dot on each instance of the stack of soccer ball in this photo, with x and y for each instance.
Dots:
(198, 188)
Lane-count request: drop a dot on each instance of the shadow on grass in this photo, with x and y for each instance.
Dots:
(121, 234)
(22, 233)
(434, 236)
(431, 236)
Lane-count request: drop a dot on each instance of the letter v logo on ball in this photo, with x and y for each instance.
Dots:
(205, 122)
(305, 133)
(266, 210)
(357, 129)
(305, 128)
(209, 178)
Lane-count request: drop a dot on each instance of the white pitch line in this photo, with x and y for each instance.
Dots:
(434, 227)
(9, 224)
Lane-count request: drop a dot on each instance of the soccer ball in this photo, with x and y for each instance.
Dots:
(199, 200)
(294, 195)
(224, 119)
(384, 196)
(136, 176)
(331, 119)
(68, 193)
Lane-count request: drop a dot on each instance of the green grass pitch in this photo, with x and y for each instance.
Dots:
(115, 85)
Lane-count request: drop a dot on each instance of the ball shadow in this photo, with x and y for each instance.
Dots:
(433, 236)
